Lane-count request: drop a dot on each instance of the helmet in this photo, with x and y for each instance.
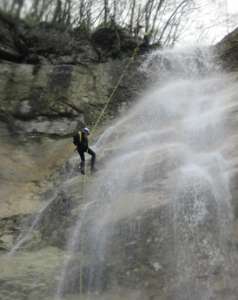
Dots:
(86, 130)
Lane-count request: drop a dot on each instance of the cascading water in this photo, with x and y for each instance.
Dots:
(160, 220)
(27, 234)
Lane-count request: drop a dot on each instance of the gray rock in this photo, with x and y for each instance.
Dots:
(227, 51)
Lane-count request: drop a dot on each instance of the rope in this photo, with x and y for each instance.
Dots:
(81, 284)
(115, 89)
(85, 177)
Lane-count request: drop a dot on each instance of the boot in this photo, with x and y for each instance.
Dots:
(93, 170)
(82, 168)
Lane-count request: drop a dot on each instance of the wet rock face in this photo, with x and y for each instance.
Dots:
(144, 245)
(227, 51)
(56, 221)
(150, 251)
(40, 109)
(30, 275)
(40, 106)
(10, 228)
(48, 90)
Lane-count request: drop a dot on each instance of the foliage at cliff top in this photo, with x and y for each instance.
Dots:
(22, 41)
(154, 20)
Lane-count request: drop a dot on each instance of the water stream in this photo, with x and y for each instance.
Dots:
(26, 235)
(160, 222)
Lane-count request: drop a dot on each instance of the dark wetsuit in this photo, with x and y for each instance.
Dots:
(81, 141)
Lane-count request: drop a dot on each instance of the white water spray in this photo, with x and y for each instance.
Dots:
(27, 234)
(167, 156)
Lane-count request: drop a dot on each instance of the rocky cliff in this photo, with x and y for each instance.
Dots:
(227, 51)
(47, 93)
(52, 82)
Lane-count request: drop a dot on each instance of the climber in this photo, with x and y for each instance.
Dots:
(80, 140)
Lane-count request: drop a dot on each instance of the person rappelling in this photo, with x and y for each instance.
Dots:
(80, 140)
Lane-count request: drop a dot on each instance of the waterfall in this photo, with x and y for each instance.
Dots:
(160, 221)
(69, 170)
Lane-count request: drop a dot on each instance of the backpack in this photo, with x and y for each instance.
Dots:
(77, 139)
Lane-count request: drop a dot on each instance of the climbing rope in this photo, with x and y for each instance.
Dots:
(135, 52)
(115, 89)
(85, 177)
(112, 94)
